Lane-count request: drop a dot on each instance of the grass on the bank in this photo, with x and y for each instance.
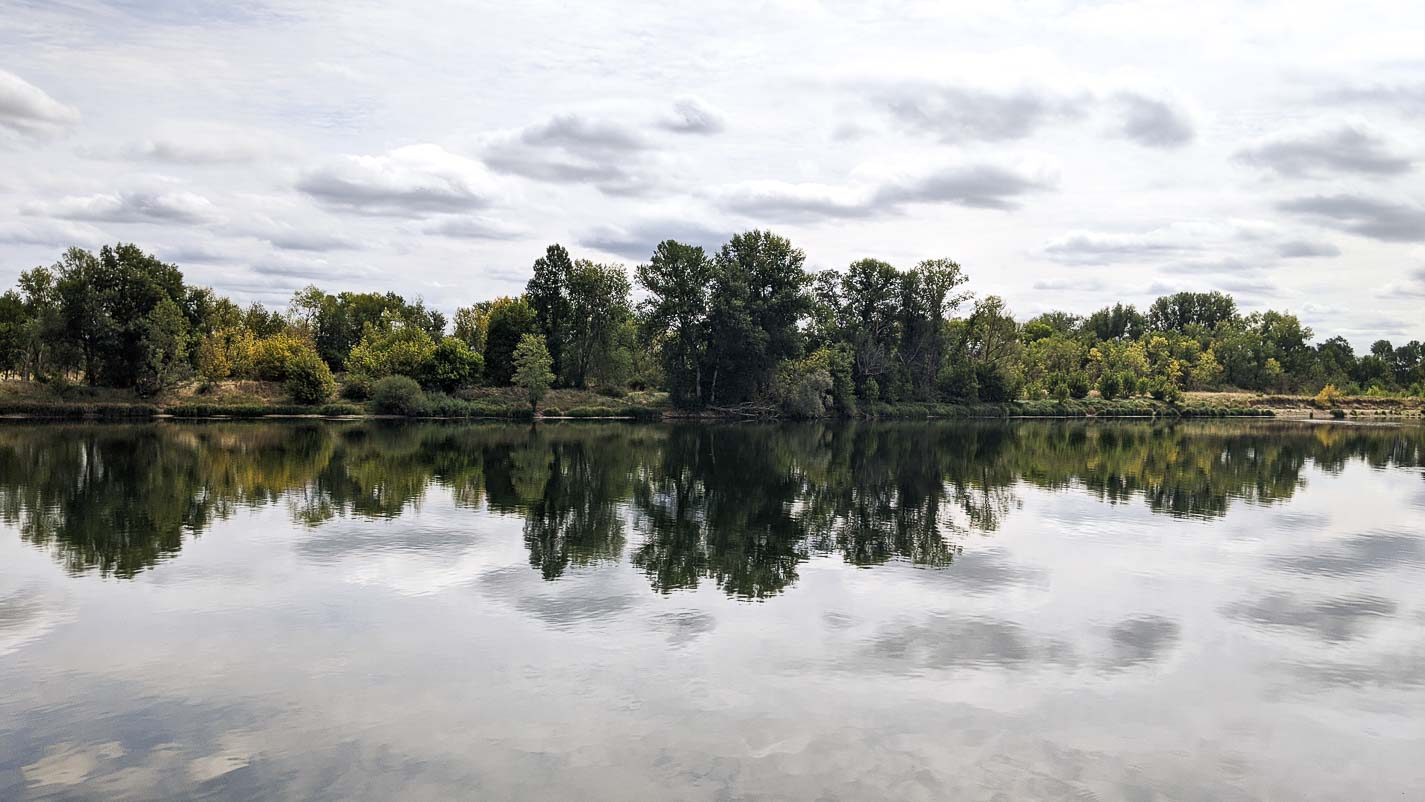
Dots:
(253, 399)
(1081, 408)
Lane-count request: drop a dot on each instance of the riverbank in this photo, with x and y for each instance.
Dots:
(248, 400)
(1305, 406)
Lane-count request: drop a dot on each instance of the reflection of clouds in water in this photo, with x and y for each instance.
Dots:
(1375, 551)
(332, 544)
(943, 641)
(1295, 522)
(141, 746)
(585, 599)
(413, 557)
(683, 626)
(568, 609)
(980, 573)
(1141, 640)
(28, 614)
(70, 764)
(949, 642)
(1331, 620)
(1401, 670)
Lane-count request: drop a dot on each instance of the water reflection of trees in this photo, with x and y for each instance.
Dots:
(739, 506)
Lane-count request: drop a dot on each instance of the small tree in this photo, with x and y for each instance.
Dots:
(165, 343)
(533, 369)
(309, 380)
(398, 395)
(398, 349)
(452, 365)
(1109, 386)
(1328, 397)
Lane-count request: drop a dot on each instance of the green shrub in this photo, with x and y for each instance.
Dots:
(803, 389)
(393, 350)
(309, 380)
(398, 395)
(41, 409)
(340, 410)
(871, 391)
(1165, 390)
(995, 384)
(273, 357)
(957, 383)
(357, 387)
(452, 365)
(1109, 386)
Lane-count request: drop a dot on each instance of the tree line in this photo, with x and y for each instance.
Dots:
(745, 328)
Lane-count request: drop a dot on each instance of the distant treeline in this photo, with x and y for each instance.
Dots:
(746, 328)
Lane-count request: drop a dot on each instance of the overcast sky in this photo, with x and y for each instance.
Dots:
(1067, 154)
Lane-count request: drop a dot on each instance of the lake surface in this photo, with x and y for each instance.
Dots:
(1138, 611)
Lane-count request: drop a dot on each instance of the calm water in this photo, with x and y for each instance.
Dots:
(606, 611)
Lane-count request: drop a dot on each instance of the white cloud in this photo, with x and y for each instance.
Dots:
(1152, 121)
(693, 115)
(474, 227)
(54, 234)
(978, 186)
(1366, 216)
(637, 240)
(128, 207)
(27, 110)
(573, 148)
(410, 181)
(965, 113)
(201, 143)
(1349, 148)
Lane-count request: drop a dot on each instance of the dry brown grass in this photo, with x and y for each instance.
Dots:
(1304, 405)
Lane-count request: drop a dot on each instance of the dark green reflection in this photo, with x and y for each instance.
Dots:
(741, 506)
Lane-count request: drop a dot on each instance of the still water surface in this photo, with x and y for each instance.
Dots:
(899, 611)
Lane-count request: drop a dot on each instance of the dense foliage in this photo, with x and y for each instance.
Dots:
(747, 328)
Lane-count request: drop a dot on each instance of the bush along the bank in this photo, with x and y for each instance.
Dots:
(260, 410)
(309, 380)
(398, 395)
(1070, 408)
(63, 410)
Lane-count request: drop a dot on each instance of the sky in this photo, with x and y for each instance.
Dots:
(1067, 154)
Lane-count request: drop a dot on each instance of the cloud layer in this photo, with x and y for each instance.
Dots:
(27, 110)
(445, 158)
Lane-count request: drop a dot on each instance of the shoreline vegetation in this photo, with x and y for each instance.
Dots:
(264, 400)
(743, 333)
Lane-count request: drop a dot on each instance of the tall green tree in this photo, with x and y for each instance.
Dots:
(675, 314)
(1117, 322)
(757, 300)
(1181, 310)
(929, 295)
(165, 343)
(598, 304)
(509, 321)
(13, 321)
(870, 297)
(549, 295)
